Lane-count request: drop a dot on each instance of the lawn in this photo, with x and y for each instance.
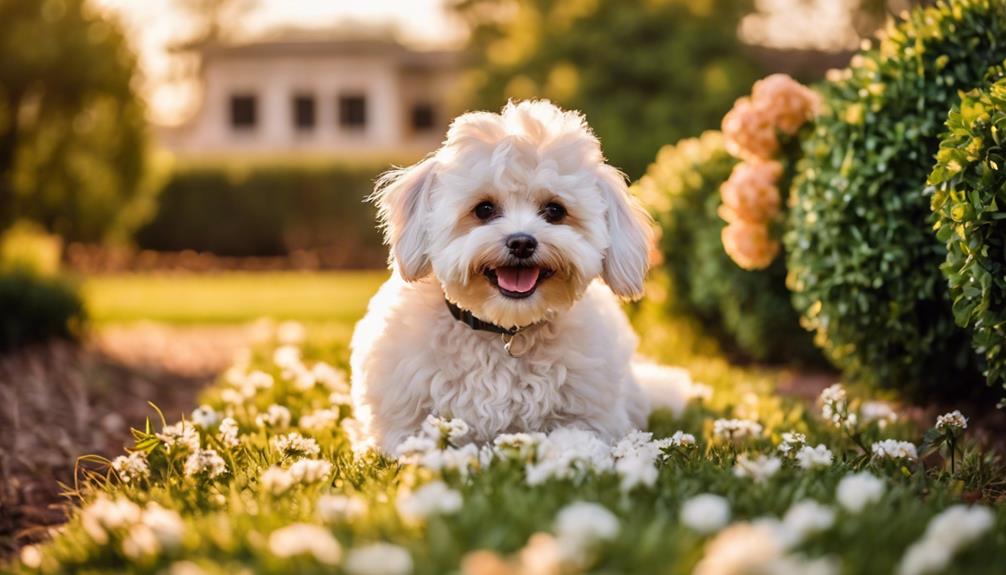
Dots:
(230, 297)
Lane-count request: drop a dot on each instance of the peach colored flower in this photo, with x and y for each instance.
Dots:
(749, 245)
(748, 132)
(787, 103)
(751, 193)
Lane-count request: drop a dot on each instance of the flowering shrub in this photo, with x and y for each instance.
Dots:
(863, 264)
(725, 492)
(748, 312)
(969, 177)
(778, 106)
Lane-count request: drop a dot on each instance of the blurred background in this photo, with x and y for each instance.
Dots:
(172, 171)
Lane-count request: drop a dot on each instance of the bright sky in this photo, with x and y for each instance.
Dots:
(154, 24)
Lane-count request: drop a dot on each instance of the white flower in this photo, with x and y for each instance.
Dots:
(330, 377)
(742, 548)
(275, 416)
(31, 557)
(416, 445)
(205, 463)
(360, 441)
(139, 542)
(319, 420)
(330, 508)
(305, 539)
(792, 441)
(340, 398)
(293, 444)
(581, 525)
(878, 411)
(810, 457)
(204, 417)
(430, 499)
(635, 470)
(445, 430)
(541, 555)
(946, 534)
(228, 432)
(181, 434)
(286, 357)
(953, 421)
(835, 407)
(567, 453)
(856, 491)
(310, 470)
(682, 439)
(803, 519)
(132, 467)
(255, 381)
(519, 446)
(277, 480)
(705, 513)
(104, 514)
(290, 333)
(461, 459)
(378, 559)
(165, 524)
(736, 429)
(894, 449)
(759, 469)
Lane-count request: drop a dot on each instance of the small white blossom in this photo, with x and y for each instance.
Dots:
(291, 333)
(277, 480)
(378, 559)
(330, 508)
(740, 549)
(835, 407)
(443, 430)
(581, 525)
(952, 530)
(286, 357)
(791, 442)
(319, 420)
(636, 470)
(166, 525)
(205, 463)
(856, 491)
(760, 469)
(736, 429)
(104, 515)
(330, 377)
(519, 446)
(433, 498)
(894, 449)
(705, 513)
(275, 416)
(810, 457)
(228, 432)
(131, 468)
(140, 542)
(878, 411)
(340, 398)
(255, 381)
(181, 434)
(295, 444)
(953, 421)
(310, 470)
(682, 439)
(566, 453)
(305, 539)
(204, 417)
(803, 519)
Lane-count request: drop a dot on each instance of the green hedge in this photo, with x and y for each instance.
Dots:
(863, 263)
(748, 312)
(37, 308)
(970, 189)
(259, 208)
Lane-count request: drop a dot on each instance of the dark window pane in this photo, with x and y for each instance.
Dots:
(352, 111)
(422, 117)
(303, 112)
(243, 111)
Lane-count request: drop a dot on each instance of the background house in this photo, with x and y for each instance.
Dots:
(312, 92)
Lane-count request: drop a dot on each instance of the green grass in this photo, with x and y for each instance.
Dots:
(230, 297)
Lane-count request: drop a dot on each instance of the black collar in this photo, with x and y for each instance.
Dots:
(466, 317)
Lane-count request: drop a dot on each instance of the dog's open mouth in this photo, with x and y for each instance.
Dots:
(517, 281)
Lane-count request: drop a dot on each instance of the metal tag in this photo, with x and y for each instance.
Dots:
(515, 344)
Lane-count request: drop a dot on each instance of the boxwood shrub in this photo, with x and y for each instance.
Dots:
(748, 312)
(969, 191)
(863, 262)
(36, 308)
(235, 207)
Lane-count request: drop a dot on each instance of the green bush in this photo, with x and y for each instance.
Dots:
(36, 308)
(259, 208)
(969, 180)
(748, 312)
(863, 263)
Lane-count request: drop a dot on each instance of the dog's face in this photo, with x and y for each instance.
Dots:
(515, 215)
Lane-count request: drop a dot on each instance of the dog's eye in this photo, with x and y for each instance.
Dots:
(554, 213)
(485, 210)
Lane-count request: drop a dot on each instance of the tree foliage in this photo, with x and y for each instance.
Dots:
(72, 130)
(645, 73)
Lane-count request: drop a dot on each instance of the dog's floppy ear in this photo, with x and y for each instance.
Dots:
(631, 231)
(402, 198)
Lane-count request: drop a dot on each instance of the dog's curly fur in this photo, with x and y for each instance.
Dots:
(410, 357)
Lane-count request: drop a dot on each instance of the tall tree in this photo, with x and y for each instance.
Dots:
(72, 129)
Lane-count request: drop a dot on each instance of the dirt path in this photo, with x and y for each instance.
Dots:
(61, 400)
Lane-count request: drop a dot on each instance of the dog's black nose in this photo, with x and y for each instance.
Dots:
(521, 245)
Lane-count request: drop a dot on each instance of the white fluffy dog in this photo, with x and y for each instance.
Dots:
(494, 313)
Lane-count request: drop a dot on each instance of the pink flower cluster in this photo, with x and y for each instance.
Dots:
(751, 198)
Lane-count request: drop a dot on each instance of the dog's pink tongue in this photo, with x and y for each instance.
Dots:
(517, 279)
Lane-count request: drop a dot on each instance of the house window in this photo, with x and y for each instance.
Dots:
(244, 112)
(422, 117)
(303, 112)
(353, 111)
